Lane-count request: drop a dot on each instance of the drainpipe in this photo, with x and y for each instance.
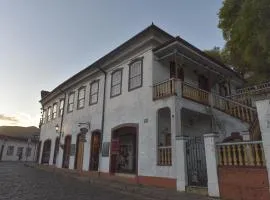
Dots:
(60, 130)
(103, 113)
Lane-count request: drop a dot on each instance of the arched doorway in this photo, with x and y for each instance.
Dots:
(124, 146)
(56, 150)
(66, 153)
(38, 152)
(79, 152)
(164, 148)
(46, 152)
(94, 151)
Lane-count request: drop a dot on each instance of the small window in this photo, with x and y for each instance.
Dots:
(28, 151)
(116, 83)
(10, 150)
(70, 102)
(135, 75)
(49, 114)
(61, 107)
(19, 151)
(94, 87)
(81, 98)
(54, 110)
(44, 116)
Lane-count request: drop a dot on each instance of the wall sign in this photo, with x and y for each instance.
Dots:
(105, 149)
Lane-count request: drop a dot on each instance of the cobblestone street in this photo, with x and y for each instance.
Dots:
(18, 182)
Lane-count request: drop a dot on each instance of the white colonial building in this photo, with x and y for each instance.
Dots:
(17, 149)
(141, 111)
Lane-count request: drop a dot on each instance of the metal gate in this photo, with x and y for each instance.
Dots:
(196, 162)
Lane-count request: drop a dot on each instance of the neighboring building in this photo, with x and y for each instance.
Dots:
(140, 103)
(13, 148)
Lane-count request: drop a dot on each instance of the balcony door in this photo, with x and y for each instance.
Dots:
(176, 71)
(203, 82)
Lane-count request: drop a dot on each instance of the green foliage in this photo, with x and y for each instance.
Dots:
(246, 29)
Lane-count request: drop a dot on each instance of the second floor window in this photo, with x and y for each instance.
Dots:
(94, 92)
(135, 75)
(116, 83)
(49, 113)
(54, 110)
(61, 107)
(81, 97)
(44, 116)
(70, 102)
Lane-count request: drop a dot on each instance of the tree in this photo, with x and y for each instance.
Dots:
(215, 53)
(246, 28)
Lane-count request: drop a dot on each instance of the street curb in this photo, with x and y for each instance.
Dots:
(131, 188)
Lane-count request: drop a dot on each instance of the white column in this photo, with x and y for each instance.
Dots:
(40, 152)
(263, 110)
(72, 151)
(59, 156)
(211, 164)
(52, 151)
(86, 152)
(181, 170)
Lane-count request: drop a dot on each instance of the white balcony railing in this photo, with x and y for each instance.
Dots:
(164, 155)
(241, 154)
(164, 89)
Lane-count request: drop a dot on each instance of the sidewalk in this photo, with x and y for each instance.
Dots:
(123, 185)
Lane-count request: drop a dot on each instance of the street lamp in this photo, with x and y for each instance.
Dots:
(56, 128)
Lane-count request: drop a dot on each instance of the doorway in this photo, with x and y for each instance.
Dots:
(46, 152)
(56, 150)
(79, 152)
(66, 153)
(94, 151)
(124, 150)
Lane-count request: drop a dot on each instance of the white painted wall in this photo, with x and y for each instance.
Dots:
(134, 106)
(16, 144)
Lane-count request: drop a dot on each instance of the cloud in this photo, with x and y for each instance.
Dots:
(19, 119)
(8, 118)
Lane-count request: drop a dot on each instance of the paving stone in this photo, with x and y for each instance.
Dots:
(19, 182)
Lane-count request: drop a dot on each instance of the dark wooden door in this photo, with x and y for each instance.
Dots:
(1, 152)
(79, 152)
(94, 154)
(203, 83)
(56, 149)
(176, 71)
(38, 151)
(66, 154)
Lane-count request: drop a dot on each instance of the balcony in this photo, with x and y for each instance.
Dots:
(173, 87)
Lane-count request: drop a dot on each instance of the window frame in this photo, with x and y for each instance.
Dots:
(90, 92)
(140, 59)
(28, 151)
(71, 93)
(44, 116)
(78, 97)
(54, 114)
(8, 151)
(49, 117)
(121, 80)
(17, 153)
(59, 110)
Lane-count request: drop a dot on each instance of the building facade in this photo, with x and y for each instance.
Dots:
(17, 149)
(141, 111)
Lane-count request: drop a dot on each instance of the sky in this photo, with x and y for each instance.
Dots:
(43, 43)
